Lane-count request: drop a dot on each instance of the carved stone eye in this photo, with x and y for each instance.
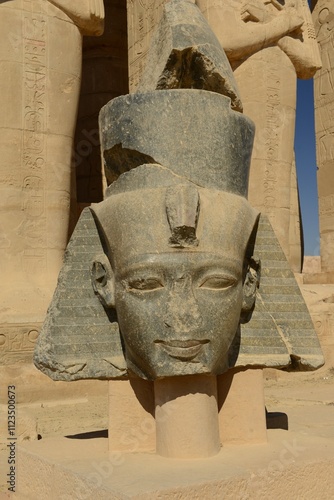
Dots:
(218, 282)
(145, 284)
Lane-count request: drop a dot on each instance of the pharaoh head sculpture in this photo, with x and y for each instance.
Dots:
(159, 278)
(177, 272)
(178, 233)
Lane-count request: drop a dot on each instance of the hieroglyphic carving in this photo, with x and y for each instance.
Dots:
(34, 153)
(271, 141)
(276, 70)
(323, 16)
(324, 22)
(40, 83)
(143, 16)
(326, 214)
(17, 343)
(326, 205)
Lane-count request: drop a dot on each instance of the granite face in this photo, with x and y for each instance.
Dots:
(176, 272)
(161, 279)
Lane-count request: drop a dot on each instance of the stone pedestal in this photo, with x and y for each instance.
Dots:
(238, 413)
(182, 405)
(241, 407)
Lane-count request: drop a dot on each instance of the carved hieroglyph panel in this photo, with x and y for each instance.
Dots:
(39, 88)
(267, 84)
(24, 159)
(34, 150)
(323, 16)
(143, 17)
(17, 343)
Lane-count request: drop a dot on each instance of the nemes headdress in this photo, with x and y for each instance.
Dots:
(182, 132)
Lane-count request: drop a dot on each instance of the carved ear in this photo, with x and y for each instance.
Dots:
(251, 284)
(252, 271)
(102, 277)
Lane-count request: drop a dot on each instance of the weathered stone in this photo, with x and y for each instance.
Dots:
(186, 54)
(270, 338)
(174, 304)
(176, 118)
(290, 314)
(77, 331)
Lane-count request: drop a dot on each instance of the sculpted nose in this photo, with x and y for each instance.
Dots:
(182, 312)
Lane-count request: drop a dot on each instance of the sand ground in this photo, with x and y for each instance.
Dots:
(301, 402)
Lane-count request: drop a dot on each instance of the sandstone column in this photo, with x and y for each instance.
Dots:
(267, 83)
(323, 16)
(40, 59)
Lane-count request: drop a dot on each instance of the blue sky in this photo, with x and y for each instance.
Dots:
(307, 166)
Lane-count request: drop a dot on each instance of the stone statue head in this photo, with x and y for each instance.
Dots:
(177, 228)
(178, 270)
(159, 279)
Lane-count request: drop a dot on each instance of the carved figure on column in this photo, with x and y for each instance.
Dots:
(40, 60)
(323, 15)
(268, 45)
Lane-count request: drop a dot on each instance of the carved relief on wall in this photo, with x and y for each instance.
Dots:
(323, 16)
(143, 17)
(17, 343)
(39, 89)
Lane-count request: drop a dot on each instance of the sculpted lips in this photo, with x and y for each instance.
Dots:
(182, 349)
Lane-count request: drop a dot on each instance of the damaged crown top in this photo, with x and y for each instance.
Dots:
(185, 54)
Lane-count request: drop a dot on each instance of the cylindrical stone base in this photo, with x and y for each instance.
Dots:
(186, 414)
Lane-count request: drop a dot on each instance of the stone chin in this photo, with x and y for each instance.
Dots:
(171, 360)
